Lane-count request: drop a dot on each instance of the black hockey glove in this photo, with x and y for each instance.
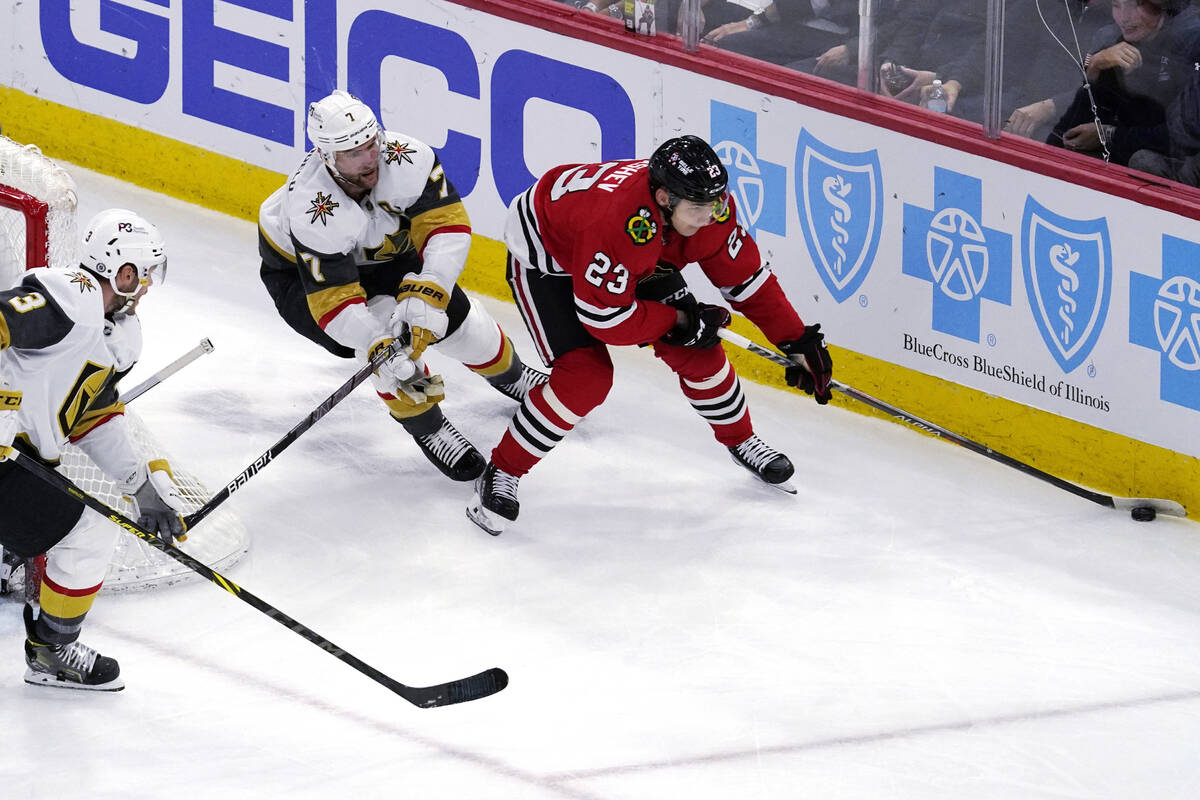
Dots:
(700, 327)
(814, 366)
(665, 285)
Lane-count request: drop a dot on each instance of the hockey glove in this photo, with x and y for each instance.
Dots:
(665, 285)
(10, 404)
(699, 327)
(158, 504)
(814, 365)
(396, 369)
(422, 390)
(421, 304)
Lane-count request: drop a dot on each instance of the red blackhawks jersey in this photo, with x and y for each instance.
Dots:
(599, 224)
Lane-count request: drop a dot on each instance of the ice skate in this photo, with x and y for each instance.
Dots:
(495, 501)
(765, 462)
(447, 449)
(68, 666)
(526, 379)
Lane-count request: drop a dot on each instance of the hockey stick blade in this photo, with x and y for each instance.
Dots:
(1168, 507)
(484, 684)
(460, 691)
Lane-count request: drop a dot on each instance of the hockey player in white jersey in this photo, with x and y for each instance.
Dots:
(66, 337)
(364, 244)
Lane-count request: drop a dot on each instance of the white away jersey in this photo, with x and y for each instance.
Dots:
(52, 331)
(311, 225)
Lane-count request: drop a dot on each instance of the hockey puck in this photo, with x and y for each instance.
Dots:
(1143, 513)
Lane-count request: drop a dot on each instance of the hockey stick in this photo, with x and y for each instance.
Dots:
(303, 425)
(1169, 507)
(485, 683)
(204, 347)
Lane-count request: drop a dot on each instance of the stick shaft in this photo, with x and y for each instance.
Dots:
(1164, 506)
(203, 348)
(472, 688)
(326, 405)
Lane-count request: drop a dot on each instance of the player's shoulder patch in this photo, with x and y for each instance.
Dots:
(399, 150)
(321, 208)
(641, 226)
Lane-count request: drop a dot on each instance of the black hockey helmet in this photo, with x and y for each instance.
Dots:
(688, 167)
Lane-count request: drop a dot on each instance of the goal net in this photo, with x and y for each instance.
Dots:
(37, 228)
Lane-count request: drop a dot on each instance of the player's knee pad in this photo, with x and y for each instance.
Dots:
(478, 343)
(80, 560)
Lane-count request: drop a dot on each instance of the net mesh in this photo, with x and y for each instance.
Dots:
(37, 228)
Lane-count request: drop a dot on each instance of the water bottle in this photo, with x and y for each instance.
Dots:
(936, 100)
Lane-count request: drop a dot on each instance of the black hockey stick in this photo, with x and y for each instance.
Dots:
(204, 347)
(303, 425)
(485, 683)
(1169, 507)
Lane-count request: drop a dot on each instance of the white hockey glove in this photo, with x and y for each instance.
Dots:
(422, 305)
(421, 390)
(395, 370)
(158, 505)
(10, 404)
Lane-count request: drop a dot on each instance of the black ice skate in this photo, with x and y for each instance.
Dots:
(768, 464)
(68, 666)
(495, 501)
(444, 446)
(518, 387)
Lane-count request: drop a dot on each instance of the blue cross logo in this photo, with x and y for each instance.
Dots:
(759, 187)
(1164, 315)
(965, 262)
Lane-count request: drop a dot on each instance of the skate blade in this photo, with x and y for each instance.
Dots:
(786, 487)
(45, 679)
(490, 522)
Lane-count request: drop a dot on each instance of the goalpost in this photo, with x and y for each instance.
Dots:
(38, 228)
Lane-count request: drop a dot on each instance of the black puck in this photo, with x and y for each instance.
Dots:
(1143, 513)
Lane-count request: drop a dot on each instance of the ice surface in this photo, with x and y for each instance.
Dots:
(918, 623)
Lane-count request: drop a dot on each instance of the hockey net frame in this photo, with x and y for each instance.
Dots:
(38, 202)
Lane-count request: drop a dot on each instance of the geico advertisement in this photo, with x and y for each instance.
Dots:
(501, 102)
(988, 276)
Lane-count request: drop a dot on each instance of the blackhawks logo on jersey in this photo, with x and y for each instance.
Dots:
(83, 281)
(322, 208)
(395, 152)
(641, 227)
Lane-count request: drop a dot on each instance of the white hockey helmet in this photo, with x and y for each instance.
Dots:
(116, 237)
(338, 122)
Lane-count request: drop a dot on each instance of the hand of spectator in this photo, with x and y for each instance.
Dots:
(837, 56)
(1084, 138)
(1121, 55)
(912, 92)
(717, 34)
(1025, 120)
(952, 88)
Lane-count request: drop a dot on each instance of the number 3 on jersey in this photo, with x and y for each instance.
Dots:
(602, 266)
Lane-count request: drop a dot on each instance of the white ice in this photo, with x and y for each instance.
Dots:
(919, 622)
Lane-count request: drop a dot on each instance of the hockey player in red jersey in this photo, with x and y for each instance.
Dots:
(595, 253)
(66, 337)
(364, 244)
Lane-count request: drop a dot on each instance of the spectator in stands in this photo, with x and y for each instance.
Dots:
(781, 32)
(1135, 68)
(840, 62)
(1182, 162)
(1049, 44)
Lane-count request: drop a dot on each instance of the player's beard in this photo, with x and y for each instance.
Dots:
(364, 181)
